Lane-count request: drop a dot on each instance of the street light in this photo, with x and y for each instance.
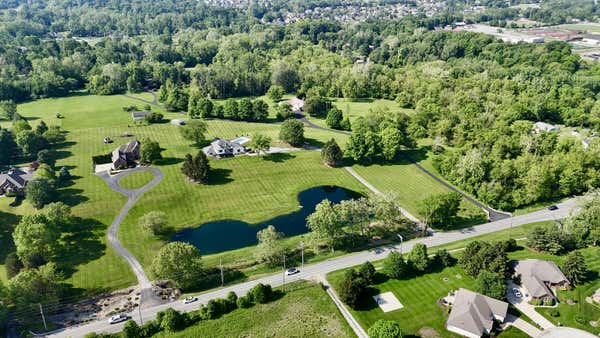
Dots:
(401, 240)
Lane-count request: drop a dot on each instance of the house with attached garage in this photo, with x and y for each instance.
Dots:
(126, 155)
(226, 148)
(473, 315)
(538, 277)
(15, 179)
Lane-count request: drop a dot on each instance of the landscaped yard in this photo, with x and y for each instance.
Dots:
(306, 311)
(256, 188)
(419, 296)
(136, 180)
(357, 108)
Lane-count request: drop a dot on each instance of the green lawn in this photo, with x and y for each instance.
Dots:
(254, 183)
(354, 109)
(307, 311)
(590, 27)
(512, 332)
(418, 295)
(412, 186)
(136, 180)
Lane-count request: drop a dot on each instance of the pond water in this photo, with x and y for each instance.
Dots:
(219, 236)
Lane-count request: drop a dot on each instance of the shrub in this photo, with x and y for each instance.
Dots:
(554, 313)
(244, 302)
(444, 258)
(351, 288)
(172, 320)
(154, 117)
(232, 299)
(261, 293)
(385, 329)
(395, 266)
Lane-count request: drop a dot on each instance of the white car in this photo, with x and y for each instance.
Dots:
(517, 293)
(190, 300)
(118, 318)
(291, 271)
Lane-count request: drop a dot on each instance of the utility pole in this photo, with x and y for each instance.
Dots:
(222, 276)
(43, 317)
(283, 272)
(302, 251)
(140, 313)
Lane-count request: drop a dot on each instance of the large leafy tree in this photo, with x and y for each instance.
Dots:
(260, 143)
(32, 286)
(178, 262)
(194, 131)
(269, 249)
(292, 132)
(39, 192)
(154, 222)
(325, 224)
(440, 210)
(150, 151)
(417, 258)
(395, 266)
(196, 168)
(491, 284)
(7, 146)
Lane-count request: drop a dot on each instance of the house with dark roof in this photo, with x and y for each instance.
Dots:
(126, 155)
(225, 148)
(538, 277)
(473, 314)
(15, 180)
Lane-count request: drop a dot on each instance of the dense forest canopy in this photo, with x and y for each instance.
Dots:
(476, 96)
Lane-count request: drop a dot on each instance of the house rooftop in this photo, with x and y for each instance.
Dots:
(535, 273)
(475, 313)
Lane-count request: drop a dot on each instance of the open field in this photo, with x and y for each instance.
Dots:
(357, 108)
(306, 311)
(255, 184)
(412, 186)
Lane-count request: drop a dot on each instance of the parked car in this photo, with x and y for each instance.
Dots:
(118, 318)
(517, 293)
(291, 271)
(107, 140)
(190, 300)
(552, 207)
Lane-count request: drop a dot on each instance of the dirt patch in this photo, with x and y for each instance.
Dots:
(428, 332)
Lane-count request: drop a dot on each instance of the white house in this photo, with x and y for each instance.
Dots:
(224, 148)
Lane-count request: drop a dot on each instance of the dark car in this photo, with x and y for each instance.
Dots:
(552, 207)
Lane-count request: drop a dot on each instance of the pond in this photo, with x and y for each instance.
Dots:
(219, 236)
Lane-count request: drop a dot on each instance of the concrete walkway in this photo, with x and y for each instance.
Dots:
(376, 191)
(148, 299)
(358, 330)
(522, 325)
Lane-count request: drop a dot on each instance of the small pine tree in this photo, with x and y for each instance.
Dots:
(332, 153)
(575, 268)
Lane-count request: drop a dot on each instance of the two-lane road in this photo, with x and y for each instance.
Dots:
(325, 267)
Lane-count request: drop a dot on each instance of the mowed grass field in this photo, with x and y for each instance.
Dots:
(354, 109)
(258, 188)
(306, 311)
(136, 180)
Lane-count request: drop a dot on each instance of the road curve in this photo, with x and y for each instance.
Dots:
(132, 196)
(322, 268)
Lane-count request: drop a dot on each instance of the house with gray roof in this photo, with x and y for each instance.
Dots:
(540, 127)
(126, 154)
(538, 276)
(15, 180)
(139, 115)
(473, 314)
(224, 148)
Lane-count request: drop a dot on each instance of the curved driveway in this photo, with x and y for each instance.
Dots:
(132, 196)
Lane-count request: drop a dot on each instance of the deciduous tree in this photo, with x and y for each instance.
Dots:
(179, 262)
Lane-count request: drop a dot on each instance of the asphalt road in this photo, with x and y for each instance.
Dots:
(322, 268)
